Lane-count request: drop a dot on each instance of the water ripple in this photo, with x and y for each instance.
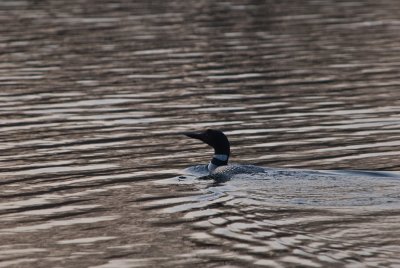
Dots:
(94, 98)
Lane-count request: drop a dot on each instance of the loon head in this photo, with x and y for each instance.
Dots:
(217, 140)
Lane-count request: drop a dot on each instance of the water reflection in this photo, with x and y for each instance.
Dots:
(303, 217)
(93, 98)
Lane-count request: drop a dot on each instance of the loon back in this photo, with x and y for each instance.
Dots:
(223, 173)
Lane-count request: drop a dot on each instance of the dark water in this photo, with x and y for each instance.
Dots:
(93, 96)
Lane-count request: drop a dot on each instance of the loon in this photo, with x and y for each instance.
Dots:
(218, 167)
(219, 170)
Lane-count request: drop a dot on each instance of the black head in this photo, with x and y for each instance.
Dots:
(214, 138)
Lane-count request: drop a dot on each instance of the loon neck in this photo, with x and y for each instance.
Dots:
(217, 161)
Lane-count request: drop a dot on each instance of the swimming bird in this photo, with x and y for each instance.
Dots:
(218, 166)
(219, 169)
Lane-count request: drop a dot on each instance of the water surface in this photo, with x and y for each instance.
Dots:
(93, 98)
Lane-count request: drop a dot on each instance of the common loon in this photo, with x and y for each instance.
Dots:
(218, 167)
(219, 170)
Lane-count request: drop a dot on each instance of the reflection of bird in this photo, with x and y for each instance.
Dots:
(219, 163)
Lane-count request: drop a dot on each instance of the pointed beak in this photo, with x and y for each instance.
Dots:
(195, 135)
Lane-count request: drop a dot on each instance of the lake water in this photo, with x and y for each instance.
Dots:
(94, 96)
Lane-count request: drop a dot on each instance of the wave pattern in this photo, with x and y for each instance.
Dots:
(304, 219)
(94, 95)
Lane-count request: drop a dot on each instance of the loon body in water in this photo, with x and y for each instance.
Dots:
(219, 170)
(218, 167)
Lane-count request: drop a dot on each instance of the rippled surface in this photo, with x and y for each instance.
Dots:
(93, 96)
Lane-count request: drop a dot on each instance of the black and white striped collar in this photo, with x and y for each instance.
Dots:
(217, 161)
